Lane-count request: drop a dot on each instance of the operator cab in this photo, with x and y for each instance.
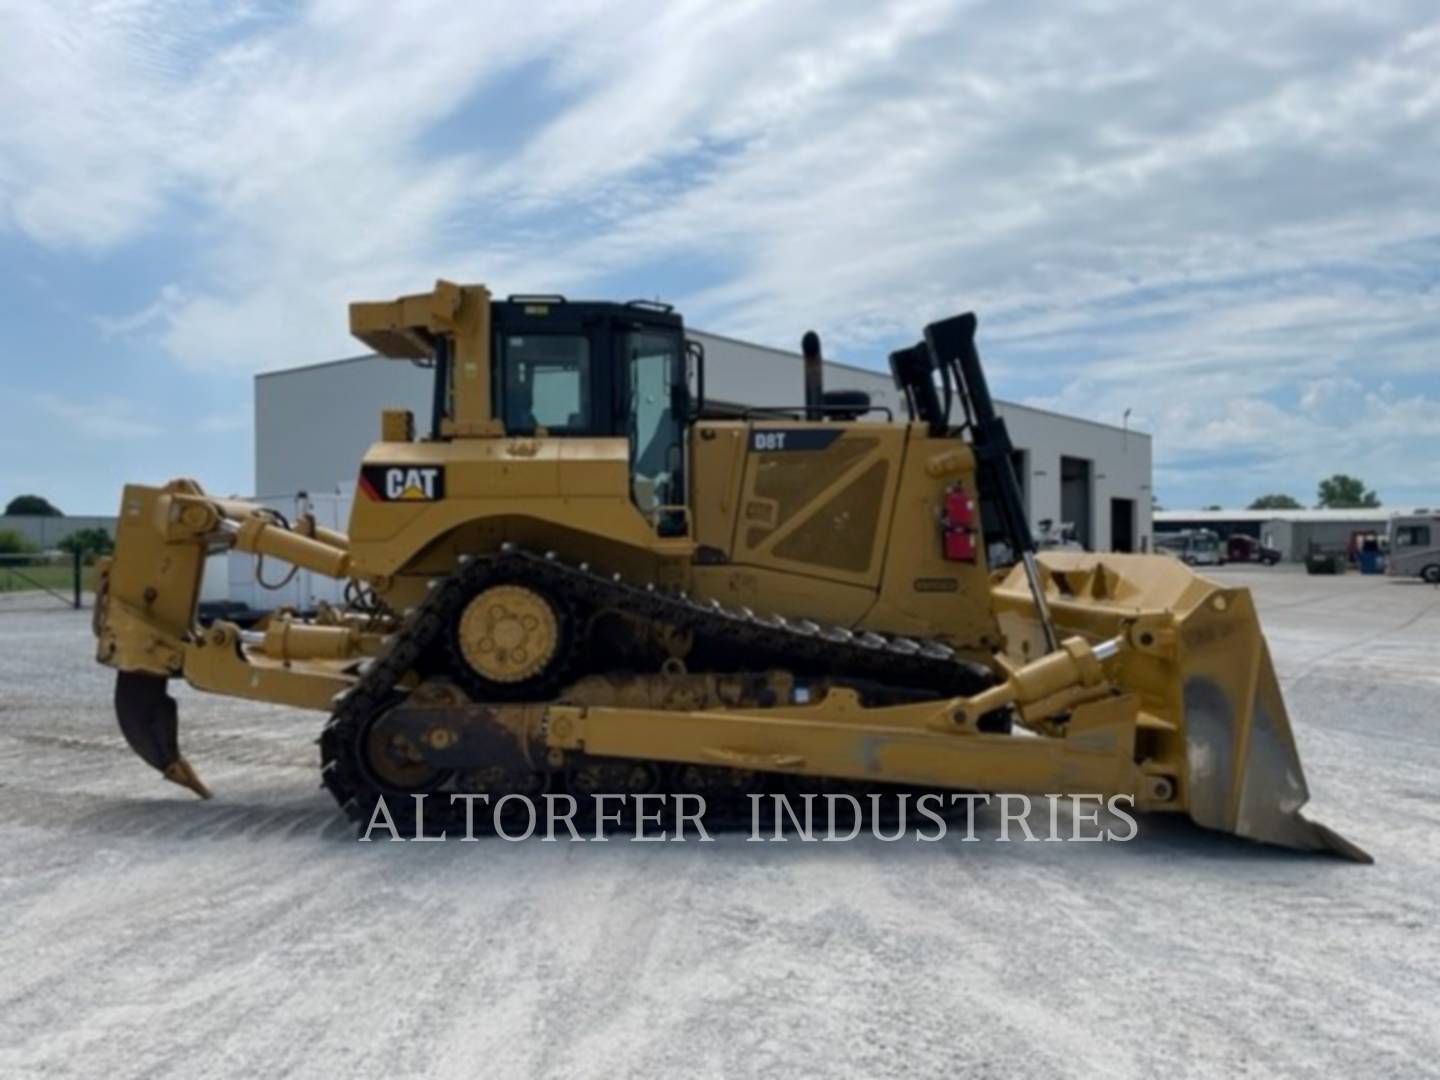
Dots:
(545, 366)
(577, 369)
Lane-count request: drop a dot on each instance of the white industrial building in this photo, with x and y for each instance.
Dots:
(1294, 533)
(313, 424)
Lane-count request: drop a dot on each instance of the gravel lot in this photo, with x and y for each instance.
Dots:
(149, 934)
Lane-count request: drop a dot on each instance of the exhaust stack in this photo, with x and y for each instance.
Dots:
(814, 376)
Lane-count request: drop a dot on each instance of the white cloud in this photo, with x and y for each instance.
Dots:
(1328, 392)
(89, 124)
(157, 313)
(1217, 215)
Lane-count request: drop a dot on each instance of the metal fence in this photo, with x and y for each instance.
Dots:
(46, 533)
(56, 576)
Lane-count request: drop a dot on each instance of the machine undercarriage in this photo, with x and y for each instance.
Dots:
(484, 731)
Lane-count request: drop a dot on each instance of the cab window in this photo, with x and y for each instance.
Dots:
(547, 383)
(652, 361)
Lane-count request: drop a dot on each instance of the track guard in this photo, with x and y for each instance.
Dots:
(149, 720)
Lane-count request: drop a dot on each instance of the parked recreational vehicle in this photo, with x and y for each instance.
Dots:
(1194, 547)
(1415, 546)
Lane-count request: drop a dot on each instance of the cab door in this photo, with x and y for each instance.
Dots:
(818, 498)
(652, 378)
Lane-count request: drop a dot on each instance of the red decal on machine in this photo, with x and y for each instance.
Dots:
(957, 525)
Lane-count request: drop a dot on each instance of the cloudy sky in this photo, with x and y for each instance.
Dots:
(1222, 216)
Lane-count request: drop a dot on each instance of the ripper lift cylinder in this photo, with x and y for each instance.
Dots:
(261, 536)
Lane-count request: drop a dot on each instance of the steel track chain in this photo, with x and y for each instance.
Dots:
(775, 642)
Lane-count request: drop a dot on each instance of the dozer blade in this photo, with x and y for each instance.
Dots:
(1244, 770)
(149, 720)
(1213, 714)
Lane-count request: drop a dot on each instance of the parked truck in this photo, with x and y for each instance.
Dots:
(1240, 547)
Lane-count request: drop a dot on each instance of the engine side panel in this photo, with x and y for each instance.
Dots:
(816, 499)
(841, 521)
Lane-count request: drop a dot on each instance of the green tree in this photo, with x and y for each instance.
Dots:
(89, 542)
(13, 543)
(1341, 492)
(32, 506)
(1275, 502)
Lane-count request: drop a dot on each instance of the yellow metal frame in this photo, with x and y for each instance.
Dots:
(217, 661)
(1179, 708)
(910, 744)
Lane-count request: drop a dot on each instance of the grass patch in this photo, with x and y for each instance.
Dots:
(59, 577)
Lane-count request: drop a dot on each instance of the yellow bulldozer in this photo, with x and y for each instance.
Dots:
(584, 577)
